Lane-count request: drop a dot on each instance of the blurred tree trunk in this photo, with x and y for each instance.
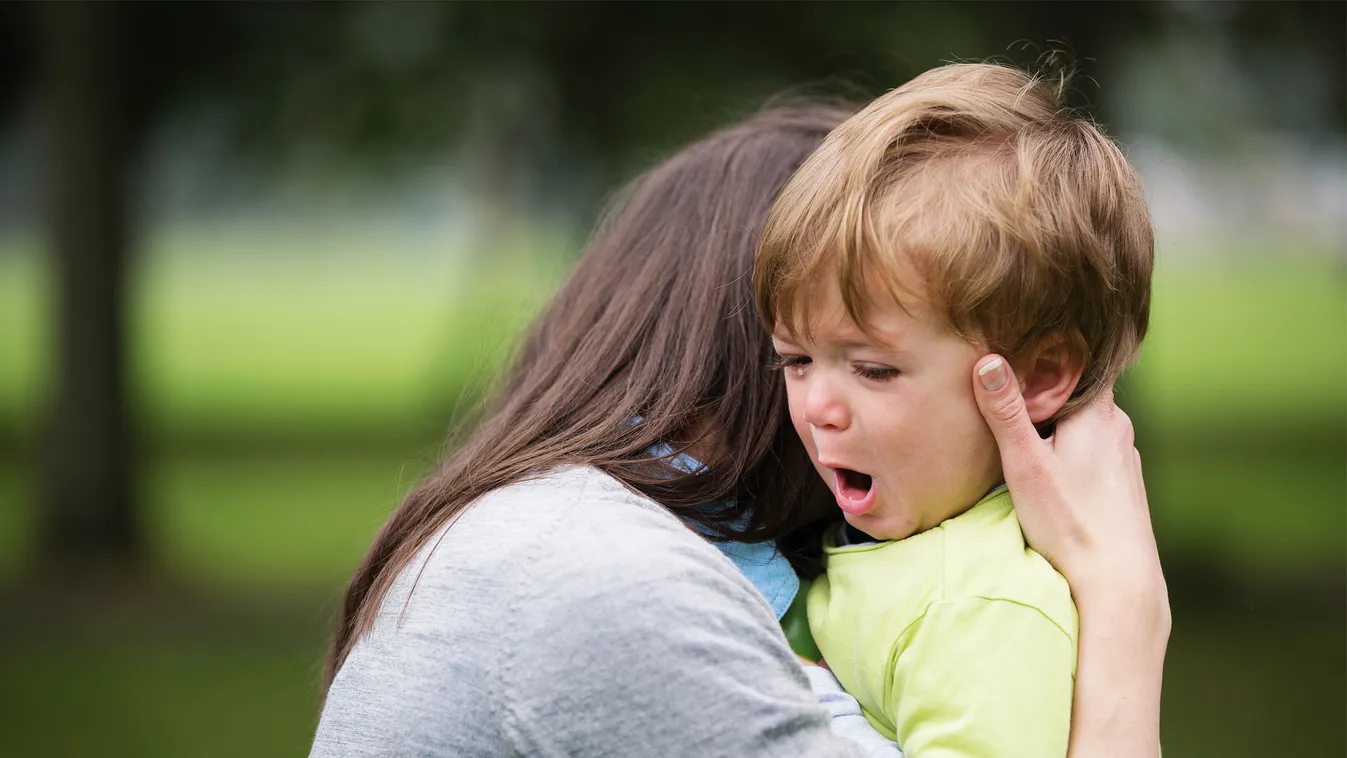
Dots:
(86, 462)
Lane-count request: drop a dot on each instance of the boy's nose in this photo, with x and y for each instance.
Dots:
(823, 407)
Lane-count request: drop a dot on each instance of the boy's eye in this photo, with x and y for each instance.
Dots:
(788, 362)
(874, 372)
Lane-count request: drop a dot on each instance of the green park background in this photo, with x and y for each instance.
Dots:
(291, 375)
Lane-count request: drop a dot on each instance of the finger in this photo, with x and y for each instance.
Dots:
(1024, 455)
(1102, 420)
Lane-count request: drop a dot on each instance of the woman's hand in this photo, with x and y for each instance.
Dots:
(1081, 502)
(1079, 496)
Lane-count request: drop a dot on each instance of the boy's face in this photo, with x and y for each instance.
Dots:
(890, 423)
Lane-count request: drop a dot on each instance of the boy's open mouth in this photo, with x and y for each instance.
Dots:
(855, 490)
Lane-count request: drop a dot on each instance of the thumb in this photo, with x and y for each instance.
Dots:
(1025, 457)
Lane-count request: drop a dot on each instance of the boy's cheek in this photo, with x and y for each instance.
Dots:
(806, 435)
(797, 420)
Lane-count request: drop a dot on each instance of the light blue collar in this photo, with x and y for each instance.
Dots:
(760, 562)
(767, 569)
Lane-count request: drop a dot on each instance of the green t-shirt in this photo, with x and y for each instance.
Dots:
(959, 641)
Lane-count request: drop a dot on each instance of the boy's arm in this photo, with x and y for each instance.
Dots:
(795, 625)
(979, 678)
(846, 717)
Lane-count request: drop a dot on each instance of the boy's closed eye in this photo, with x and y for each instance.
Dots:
(876, 372)
(791, 364)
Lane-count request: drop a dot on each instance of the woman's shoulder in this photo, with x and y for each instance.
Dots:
(555, 511)
(556, 540)
(618, 599)
(584, 490)
(570, 588)
(566, 508)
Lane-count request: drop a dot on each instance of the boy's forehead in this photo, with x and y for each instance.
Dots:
(884, 305)
(885, 325)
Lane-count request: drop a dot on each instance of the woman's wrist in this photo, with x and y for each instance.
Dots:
(1124, 632)
(1124, 595)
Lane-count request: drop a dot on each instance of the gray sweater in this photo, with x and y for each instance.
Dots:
(570, 617)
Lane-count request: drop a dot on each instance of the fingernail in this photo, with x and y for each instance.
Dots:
(993, 375)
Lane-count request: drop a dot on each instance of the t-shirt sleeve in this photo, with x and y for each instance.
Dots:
(660, 653)
(979, 678)
(847, 719)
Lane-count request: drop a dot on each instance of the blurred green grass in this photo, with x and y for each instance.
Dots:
(129, 695)
(1255, 684)
(247, 523)
(266, 341)
(1240, 396)
(1247, 346)
(271, 339)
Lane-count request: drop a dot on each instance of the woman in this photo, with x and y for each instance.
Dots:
(541, 593)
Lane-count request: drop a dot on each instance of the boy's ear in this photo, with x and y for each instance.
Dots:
(1050, 373)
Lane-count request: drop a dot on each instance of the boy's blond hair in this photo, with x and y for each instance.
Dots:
(970, 191)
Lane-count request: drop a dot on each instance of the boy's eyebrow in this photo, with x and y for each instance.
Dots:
(848, 341)
(860, 342)
(887, 347)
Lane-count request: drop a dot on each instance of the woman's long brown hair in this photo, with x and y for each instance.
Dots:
(656, 322)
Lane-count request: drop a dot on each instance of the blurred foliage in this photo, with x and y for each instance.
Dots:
(605, 84)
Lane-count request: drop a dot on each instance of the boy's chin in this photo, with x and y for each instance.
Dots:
(882, 528)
